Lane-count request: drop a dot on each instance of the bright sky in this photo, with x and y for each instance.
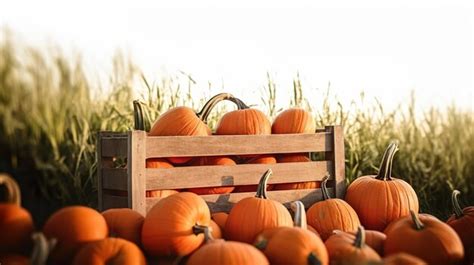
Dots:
(383, 48)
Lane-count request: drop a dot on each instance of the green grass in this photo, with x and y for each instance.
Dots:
(50, 112)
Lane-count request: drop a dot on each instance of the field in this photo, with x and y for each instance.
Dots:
(51, 110)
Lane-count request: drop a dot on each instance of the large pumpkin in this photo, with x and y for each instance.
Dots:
(462, 221)
(184, 121)
(110, 251)
(124, 223)
(213, 161)
(225, 252)
(344, 249)
(168, 226)
(425, 237)
(73, 227)
(331, 214)
(294, 120)
(252, 215)
(394, 197)
(16, 224)
(291, 158)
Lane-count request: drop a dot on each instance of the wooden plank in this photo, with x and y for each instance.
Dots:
(100, 204)
(213, 176)
(113, 144)
(179, 146)
(111, 201)
(339, 160)
(136, 171)
(114, 178)
(224, 202)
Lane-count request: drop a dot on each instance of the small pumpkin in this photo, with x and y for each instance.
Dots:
(462, 221)
(113, 251)
(168, 226)
(225, 252)
(291, 158)
(265, 213)
(215, 230)
(294, 120)
(425, 237)
(220, 218)
(213, 161)
(73, 227)
(124, 223)
(331, 214)
(345, 249)
(394, 197)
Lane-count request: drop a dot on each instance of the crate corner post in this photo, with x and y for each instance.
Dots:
(137, 171)
(337, 139)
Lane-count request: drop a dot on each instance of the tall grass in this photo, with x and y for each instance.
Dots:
(50, 112)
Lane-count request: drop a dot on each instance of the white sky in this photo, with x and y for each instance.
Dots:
(383, 48)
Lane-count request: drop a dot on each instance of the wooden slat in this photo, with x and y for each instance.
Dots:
(223, 203)
(212, 176)
(136, 169)
(339, 160)
(179, 146)
(111, 201)
(113, 144)
(114, 178)
(100, 205)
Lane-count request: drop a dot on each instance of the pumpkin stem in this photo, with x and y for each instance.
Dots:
(41, 249)
(139, 120)
(300, 215)
(202, 229)
(418, 224)
(12, 190)
(313, 260)
(324, 188)
(455, 201)
(261, 243)
(262, 185)
(385, 170)
(211, 103)
(359, 241)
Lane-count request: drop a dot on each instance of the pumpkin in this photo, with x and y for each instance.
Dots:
(16, 224)
(294, 120)
(331, 214)
(215, 230)
(159, 163)
(374, 239)
(394, 197)
(168, 226)
(211, 161)
(73, 227)
(184, 121)
(290, 158)
(160, 193)
(462, 221)
(41, 249)
(124, 223)
(225, 252)
(252, 215)
(425, 237)
(345, 249)
(403, 258)
(220, 218)
(113, 251)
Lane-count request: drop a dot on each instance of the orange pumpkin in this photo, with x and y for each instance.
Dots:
(294, 120)
(113, 251)
(462, 221)
(225, 252)
(16, 224)
(394, 197)
(345, 249)
(425, 237)
(264, 213)
(213, 161)
(124, 223)
(291, 158)
(374, 239)
(331, 214)
(184, 121)
(220, 218)
(215, 230)
(168, 226)
(73, 227)
(404, 259)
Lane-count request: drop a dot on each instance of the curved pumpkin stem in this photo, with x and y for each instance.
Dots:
(385, 170)
(262, 185)
(139, 118)
(455, 201)
(313, 260)
(359, 241)
(300, 215)
(324, 188)
(41, 249)
(202, 229)
(12, 189)
(211, 103)
(418, 224)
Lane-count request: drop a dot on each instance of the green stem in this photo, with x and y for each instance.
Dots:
(201, 229)
(385, 170)
(262, 185)
(418, 224)
(300, 215)
(138, 116)
(324, 188)
(359, 241)
(455, 201)
(313, 260)
(211, 103)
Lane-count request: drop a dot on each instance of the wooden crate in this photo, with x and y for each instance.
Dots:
(132, 179)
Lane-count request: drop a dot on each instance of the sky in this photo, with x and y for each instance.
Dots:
(385, 48)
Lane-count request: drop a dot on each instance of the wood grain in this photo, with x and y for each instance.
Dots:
(136, 171)
(339, 160)
(114, 178)
(113, 144)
